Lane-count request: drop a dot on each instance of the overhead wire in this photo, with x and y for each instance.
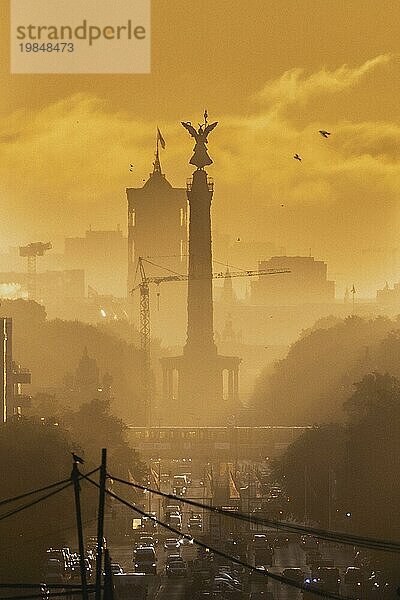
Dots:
(42, 498)
(34, 502)
(37, 491)
(279, 578)
(43, 595)
(341, 537)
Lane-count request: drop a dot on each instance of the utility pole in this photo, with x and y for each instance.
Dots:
(100, 521)
(75, 480)
(305, 496)
(159, 489)
(108, 582)
(329, 498)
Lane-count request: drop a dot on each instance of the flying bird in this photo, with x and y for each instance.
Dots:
(77, 459)
(297, 157)
(324, 133)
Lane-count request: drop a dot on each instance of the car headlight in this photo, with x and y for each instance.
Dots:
(136, 565)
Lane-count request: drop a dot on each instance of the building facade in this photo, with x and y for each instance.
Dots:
(307, 282)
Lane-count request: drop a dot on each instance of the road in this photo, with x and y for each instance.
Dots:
(293, 555)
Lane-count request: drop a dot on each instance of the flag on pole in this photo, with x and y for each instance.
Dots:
(156, 478)
(233, 491)
(160, 139)
(131, 479)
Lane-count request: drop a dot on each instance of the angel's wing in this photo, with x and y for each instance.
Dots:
(190, 128)
(210, 127)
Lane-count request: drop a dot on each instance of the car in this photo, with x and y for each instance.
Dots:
(172, 508)
(144, 559)
(259, 575)
(165, 477)
(221, 586)
(294, 574)
(172, 544)
(195, 523)
(179, 485)
(174, 558)
(186, 540)
(146, 540)
(176, 569)
(116, 569)
(281, 541)
(259, 540)
(329, 579)
(75, 569)
(53, 571)
(175, 521)
(353, 575)
(233, 580)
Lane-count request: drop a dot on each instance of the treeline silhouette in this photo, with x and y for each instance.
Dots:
(345, 476)
(51, 349)
(35, 452)
(312, 382)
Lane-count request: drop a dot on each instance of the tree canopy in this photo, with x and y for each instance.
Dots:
(311, 383)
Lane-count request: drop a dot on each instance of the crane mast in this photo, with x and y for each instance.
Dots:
(144, 322)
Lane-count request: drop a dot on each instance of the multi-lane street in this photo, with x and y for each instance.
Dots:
(182, 569)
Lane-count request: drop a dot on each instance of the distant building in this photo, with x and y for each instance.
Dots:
(102, 256)
(52, 287)
(6, 386)
(228, 295)
(157, 224)
(158, 229)
(87, 384)
(12, 377)
(388, 296)
(307, 283)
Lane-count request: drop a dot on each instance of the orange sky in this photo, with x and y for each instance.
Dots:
(272, 73)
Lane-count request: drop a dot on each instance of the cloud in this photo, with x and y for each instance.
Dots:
(377, 139)
(67, 166)
(294, 86)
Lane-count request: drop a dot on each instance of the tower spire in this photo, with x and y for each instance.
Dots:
(156, 163)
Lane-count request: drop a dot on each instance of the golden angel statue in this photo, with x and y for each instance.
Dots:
(200, 156)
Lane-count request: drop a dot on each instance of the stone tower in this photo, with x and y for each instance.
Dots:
(200, 387)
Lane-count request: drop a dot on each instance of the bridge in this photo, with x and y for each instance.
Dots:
(255, 443)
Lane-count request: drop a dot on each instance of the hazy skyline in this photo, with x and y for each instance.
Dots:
(272, 78)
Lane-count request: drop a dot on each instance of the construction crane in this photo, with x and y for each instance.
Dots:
(31, 252)
(144, 322)
(143, 286)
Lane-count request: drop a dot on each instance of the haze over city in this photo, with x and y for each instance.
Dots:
(200, 304)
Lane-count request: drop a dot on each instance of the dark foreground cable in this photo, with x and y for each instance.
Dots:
(38, 490)
(30, 504)
(42, 596)
(26, 494)
(45, 497)
(35, 586)
(332, 536)
(275, 576)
